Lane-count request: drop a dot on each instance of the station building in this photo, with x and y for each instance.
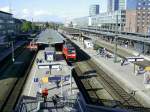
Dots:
(138, 17)
(108, 20)
(94, 10)
(131, 16)
(80, 22)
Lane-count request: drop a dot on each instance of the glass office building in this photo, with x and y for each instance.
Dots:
(115, 5)
(109, 5)
(124, 4)
(94, 10)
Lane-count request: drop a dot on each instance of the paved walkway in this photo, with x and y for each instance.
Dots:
(124, 75)
(123, 52)
(31, 87)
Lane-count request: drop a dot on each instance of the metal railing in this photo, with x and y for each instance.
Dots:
(26, 104)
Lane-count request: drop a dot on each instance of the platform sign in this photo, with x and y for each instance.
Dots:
(45, 79)
(56, 78)
(66, 78)
(147, 77)
(134, 59)
(147, 68)
(36, 80)
(131, 60)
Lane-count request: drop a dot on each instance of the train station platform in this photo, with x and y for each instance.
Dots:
(43, 77)
(124, 75)
(122, 51)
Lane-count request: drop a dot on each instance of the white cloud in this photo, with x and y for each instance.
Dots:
(41, 13)
(36, 15)
(25, 11)
(28, 14)
(5, 9)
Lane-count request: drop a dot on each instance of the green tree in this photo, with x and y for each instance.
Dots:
(47, 25)
(26, 26)
(35, 27)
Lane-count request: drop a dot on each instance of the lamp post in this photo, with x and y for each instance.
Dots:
(115, 47)
(12, 45)
(61, 85)
(71, 80)
(70, 68)
(12, 49)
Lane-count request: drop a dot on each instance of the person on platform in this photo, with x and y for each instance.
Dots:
(54, 101)
(57, 84)
(57, 97)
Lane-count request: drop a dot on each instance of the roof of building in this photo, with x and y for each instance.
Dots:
(50, 36)
(6, 13)
(136, 38)
(17, 20)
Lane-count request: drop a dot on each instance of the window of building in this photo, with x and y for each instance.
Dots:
(139, 3)
(1, 21)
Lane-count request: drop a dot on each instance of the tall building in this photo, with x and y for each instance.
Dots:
(115, 5)
(109, 5)
(124, 4)
(6, 25)
(138, 16)
(94, 10)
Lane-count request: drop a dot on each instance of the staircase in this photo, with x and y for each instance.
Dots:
(27, 104)
(37, 104)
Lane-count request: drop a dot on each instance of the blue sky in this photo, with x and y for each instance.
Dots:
(50, 10)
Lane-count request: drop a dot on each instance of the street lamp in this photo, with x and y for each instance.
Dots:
(115, 47)
(71, 80)
(12, 48)
(13, 58)
(70, 68)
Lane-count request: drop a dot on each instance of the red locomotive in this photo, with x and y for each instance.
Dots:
(69, 52)
(32, 46)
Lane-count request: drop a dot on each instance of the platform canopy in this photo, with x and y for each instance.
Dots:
(50, 36)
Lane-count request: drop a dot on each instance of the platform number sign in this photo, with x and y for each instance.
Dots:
(36, 80)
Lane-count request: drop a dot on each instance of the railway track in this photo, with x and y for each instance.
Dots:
(121, 97)
(8, 61)
(14, 86)
(113, 88)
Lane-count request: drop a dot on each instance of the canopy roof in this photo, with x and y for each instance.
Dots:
(50, 36)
